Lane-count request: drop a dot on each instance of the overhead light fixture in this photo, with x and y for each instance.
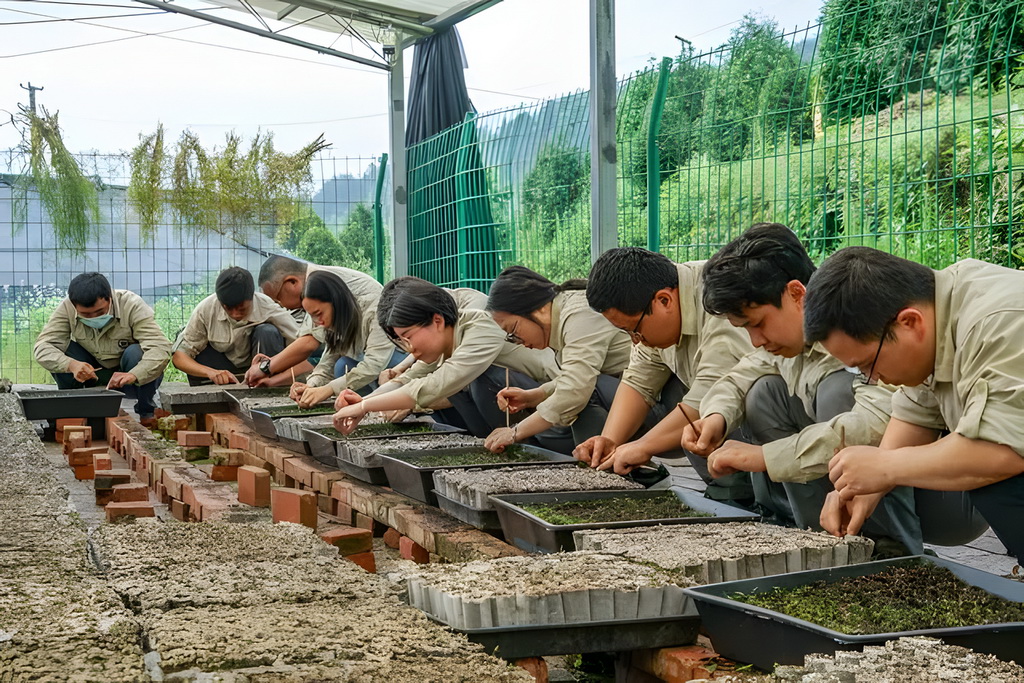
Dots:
(388, 43)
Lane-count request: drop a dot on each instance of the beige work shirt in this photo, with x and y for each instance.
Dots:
(210, 325)
(371, 346)
(133, 323)
(804, 456)
(586, 345)
(479, 343)
(708, 347)
(977, 387)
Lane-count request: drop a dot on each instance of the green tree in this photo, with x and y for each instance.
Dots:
(319, 246)
(289, 236)
(356, 239)
(559, 178)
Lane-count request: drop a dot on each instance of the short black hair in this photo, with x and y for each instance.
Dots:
(277, 268)
(86, 288)
(234, 286)
(859, 291)
(520, 291)
(325, 286)
(754, 269)
(627, 278)
(409, 301)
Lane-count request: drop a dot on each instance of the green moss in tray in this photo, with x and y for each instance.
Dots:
(382, 429)
(462, 457)
(295, 410)
(262, 392)
(906, 597)
(614, 509)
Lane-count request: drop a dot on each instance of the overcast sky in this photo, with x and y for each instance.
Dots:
(212, 79)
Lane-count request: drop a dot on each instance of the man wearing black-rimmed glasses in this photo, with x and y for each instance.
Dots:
(951, 340)
(679, 352)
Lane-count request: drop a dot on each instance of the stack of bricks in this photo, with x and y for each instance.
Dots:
(78, 450)
(168, 427)
(196, 444)
(354, 544)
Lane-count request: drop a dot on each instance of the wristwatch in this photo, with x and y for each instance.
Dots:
(265, 367)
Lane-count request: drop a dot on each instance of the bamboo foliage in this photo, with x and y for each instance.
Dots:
(228, 190)
(69, 196)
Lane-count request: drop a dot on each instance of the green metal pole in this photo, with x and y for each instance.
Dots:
(654, 159)
(378, 222)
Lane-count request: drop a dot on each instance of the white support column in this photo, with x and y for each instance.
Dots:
(399, 189)
(603, 204)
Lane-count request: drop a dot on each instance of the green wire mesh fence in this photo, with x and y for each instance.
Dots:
(895, 124)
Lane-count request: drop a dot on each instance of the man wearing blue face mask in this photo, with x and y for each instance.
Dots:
(99, 335)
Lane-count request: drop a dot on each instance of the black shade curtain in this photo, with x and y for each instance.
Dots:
(461, 246)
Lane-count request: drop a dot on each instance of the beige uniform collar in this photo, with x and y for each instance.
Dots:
(555, 335)
(945, 351)
(689, 295)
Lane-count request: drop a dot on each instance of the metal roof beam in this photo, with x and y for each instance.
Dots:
(168, 7)
(350, 10)
(456, 14)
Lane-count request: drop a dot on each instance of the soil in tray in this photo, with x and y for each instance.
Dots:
(477, 456)
(906, 597)
(382, 429)
(296, 411)
(270, 392)
(615, 509)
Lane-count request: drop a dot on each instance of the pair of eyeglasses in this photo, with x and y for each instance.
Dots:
(870, 378)
(404, 343)
(512, 337)
(635, 335)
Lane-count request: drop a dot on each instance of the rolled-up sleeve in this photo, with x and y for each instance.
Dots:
(804, 456)
(721, 346)
(727, 396)
(583, 356)
(53, 340)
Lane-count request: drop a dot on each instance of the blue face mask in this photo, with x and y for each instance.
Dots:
(98, 322)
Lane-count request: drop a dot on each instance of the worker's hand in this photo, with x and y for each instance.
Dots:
(846, 517)
(709, 435)
(82, 372)
(347, 397)
(627, 458)
(221, 376)
(120, 379)
(255, 377)
(594, 450)
(515, 399)
(396, 415)
(500, 438)
(295, 391)
(860, 470)
(736, 456)
(348, 418)
(387, 374)
(313, 395)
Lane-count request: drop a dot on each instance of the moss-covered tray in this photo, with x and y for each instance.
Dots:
(865, 604)
(545, 522)
(412, 472)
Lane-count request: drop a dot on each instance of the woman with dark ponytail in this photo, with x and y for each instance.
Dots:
(455, 347)
(591, 353)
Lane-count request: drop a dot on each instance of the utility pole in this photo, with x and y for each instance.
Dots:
(31, 95)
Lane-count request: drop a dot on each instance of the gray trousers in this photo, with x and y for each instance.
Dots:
(772, 414)
(265, 337)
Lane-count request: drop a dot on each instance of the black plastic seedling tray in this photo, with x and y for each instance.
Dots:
(534, 534)
(764, 637)
(52, 405)
(417, 482)
(264, 425)
(325, 448)
(516, 642)
(486, 520)
(371, 475)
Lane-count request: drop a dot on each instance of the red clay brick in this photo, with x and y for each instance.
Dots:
(239, 440)
(227, 457)
(128, 493)
(411, 550)
(179, 510)
(349, 540)
(109, 478)
(63, 422)
(341, 491)
(194, 439)
(293, 505)
(71, 430)
(366, 522)
(344, 512)
(83, 472)
(681, 664)
(73, 441)
(223, 473)
(536, 667)
(391, 538)
(102, 462)
(254, 486)
(365, 560)
(83, 456)
(136, 509)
